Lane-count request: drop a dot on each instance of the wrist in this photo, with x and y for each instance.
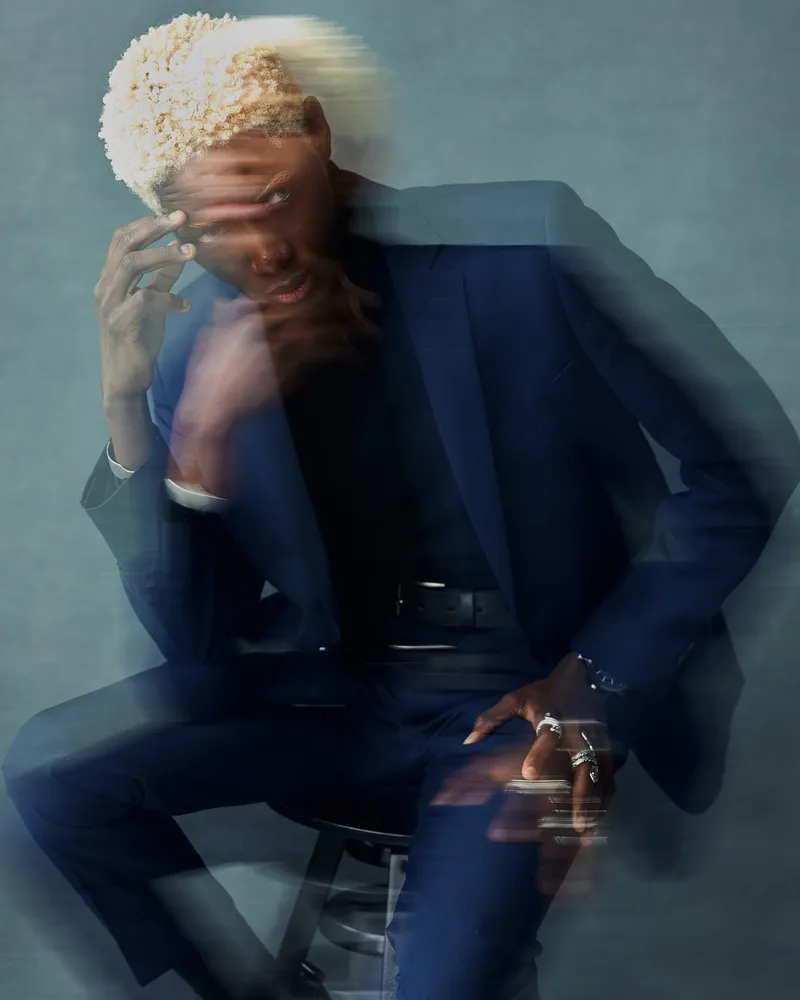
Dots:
(119, 405)
(571, 668)
(131, 430)
(568, 681)
(599, 680)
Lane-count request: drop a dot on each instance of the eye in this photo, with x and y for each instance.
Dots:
(276, 198)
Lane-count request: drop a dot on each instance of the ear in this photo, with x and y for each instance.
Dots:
(317, 128)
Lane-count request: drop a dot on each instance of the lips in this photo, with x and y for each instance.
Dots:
(292, 291)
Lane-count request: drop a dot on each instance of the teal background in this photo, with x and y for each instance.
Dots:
(677, 120)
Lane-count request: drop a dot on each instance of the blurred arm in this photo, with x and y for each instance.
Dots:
(696, 396)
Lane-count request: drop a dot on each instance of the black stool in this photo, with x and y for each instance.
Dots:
(341, 916)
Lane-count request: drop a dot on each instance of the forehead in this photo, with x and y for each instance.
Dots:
(244, 165)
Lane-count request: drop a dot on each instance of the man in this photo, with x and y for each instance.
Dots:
(430, 444)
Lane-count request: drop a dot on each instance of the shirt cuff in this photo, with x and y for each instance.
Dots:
(184, 494)
(194, 497)
(120, 472)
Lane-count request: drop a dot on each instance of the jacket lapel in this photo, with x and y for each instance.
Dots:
(434, 305)
(273, 519)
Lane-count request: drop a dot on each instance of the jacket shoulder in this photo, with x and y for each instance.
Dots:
(499, 213)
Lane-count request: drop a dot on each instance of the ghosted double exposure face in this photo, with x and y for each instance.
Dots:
(264, 213)
(261, 211)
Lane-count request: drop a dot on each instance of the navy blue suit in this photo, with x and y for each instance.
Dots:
(547, 350)
(543, 361)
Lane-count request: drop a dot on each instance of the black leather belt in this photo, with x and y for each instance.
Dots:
(448, 607)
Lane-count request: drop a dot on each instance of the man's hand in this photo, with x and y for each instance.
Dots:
(565, 694)
(251, 355)
(229, 378)
(131, 317)
(532, 816)
(542, 813)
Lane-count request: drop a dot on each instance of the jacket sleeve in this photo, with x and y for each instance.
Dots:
(188, 583)
(685, 384)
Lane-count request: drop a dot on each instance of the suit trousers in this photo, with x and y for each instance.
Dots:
(105, 816)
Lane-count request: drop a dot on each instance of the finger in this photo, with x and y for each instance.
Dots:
(597, 734)
(218, 184)
(228, 166)
(488, 721)
(165, 277)
(463, 794)
(147, 304)
(582, 791)
(559, 848)
(183, 465)
(544, 747)
(212, 192)
(518, 820)
(448, 794)
(233, 337)
(586, 876)
(469, 787)
(140, 234)
(148, 301)
(591, 836)
(230, 211)
(137, 263)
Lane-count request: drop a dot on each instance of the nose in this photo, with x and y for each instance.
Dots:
(269, 255)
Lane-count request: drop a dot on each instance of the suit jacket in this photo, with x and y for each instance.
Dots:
(552, 356)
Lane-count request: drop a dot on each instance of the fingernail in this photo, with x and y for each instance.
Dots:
(471, 738)
(176, 216)
(187, 248)
(186, 305)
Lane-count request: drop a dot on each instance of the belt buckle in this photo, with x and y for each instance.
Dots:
(429, 584)
(466, 599)
(463, 614)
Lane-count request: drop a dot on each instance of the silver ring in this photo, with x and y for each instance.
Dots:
(587, 757)
(552, 724)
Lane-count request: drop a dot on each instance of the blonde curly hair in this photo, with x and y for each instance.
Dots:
(199, 80)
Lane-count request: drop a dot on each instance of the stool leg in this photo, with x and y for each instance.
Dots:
(388, 964)
(307, 911)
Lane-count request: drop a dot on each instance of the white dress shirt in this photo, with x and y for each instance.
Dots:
(185, 494)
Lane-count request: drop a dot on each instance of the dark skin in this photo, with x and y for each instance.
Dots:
(565, 694)
(262, 214)
(260, 210)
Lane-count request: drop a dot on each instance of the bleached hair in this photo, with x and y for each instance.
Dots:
(199, 80)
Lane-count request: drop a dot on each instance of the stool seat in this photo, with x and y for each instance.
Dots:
(364, 824)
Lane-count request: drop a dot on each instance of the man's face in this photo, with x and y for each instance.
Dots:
(261, 213)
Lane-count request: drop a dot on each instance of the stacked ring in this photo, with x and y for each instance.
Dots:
(587, 757)
(552, 723)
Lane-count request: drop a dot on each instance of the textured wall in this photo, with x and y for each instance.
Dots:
(677, 120)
